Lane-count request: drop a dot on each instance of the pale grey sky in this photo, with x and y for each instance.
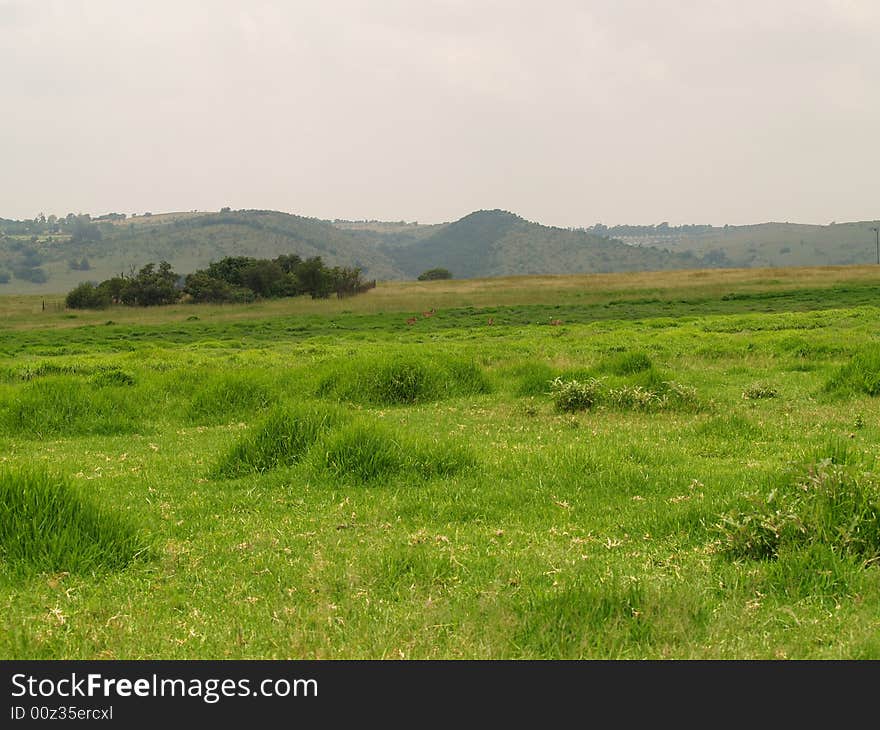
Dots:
(567, 113)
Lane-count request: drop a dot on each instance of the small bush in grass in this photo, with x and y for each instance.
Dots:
(680, 397)
(834, 504)
(860, 375)
(576, 395)
(634, 397)
(756, 391)
(581, 395)
(405, 381)
(815, 570)
(46, 525)
(282, 439)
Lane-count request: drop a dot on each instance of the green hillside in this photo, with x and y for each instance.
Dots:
(499, 243)
(761, 245)
(52, 255)
(187, 241)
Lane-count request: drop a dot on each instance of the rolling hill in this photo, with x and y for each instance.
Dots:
(54, 255)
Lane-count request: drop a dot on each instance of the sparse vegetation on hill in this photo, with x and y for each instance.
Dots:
(53, 254)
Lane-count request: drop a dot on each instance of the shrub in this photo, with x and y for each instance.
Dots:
(756, 391)
(575, 395)
(435, 274)
(111, 377)
(581, 395)
(363, 452)
(47, 525)
(634, 397)
(87, 296)
(366, 451)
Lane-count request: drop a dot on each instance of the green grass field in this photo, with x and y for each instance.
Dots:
(679, 465)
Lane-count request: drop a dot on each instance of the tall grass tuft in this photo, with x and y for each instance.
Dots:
(64, 405)
(580, 395)
(403, 380)
(366, 451)
(532, 378)
(46, 525)
(227, 396)
(626, 363)
(282, 439)
(832, 504)
(860, 375)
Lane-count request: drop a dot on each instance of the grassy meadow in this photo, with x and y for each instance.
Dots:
(678, 465)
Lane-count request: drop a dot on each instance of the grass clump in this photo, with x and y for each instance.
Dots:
(576, 395)
(403, 380)
(860, 375)
(282, 439)
(48, 526)
(67, 406)
(626, 363)
(580, 395)
(365, 451)
(532, 378)
(112, 377)
(835, 505)
(757, 391)
(228, 396)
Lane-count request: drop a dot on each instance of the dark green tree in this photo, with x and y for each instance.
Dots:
(87, 296)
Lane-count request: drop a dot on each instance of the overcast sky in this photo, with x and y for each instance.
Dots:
(567, 113)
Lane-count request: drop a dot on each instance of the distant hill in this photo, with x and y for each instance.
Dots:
(499, 243)
(54, 255)
(187, 241)
(760, 245)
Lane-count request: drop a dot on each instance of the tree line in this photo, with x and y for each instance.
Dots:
(233, 279)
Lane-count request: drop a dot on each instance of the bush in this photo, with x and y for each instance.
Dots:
(87, 296)
(365, 451)
(575, 395)
(57, 405)
(435, 274)
(649, 395)
(756, 391)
